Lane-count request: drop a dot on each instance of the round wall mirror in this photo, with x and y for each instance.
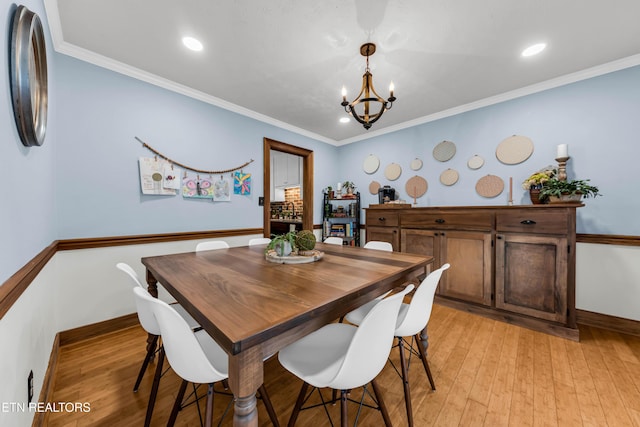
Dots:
(28, 75)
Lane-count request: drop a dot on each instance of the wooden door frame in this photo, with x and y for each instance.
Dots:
(307, 182)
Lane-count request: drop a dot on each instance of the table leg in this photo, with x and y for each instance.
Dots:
(152, 287)
(245, 377)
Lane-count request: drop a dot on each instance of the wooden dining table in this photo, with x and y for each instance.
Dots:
(253, 307)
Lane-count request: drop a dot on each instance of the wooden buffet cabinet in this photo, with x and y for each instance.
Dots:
(511, 263)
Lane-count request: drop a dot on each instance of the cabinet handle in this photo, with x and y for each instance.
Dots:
(498, 237)
(440, 221)
(527, 222)
(381, 218)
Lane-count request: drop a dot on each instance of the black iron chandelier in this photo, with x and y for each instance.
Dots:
(365, 100)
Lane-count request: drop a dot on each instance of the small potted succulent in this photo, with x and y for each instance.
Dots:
(568, 191)
(329, 192)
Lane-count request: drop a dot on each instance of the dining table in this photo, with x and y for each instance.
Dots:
(253, 307)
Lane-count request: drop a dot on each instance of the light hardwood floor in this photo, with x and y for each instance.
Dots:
(487, 373)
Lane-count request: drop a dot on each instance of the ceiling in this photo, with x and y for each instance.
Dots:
(285, 61)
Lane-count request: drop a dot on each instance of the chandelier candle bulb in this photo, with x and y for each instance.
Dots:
(391, 87)
(563, 151)
(344, 94)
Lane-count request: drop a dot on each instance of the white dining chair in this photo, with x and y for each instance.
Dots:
(152, 347)
(211, 245)
(378, 245)
(194, 356)
(259, 241)
(333, 240)
(412, 319)
(344, 357)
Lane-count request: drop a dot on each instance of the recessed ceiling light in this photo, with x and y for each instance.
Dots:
(345, 119)
(534, 49)
(191, 43)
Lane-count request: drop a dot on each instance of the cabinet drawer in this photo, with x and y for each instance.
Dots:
(543, 222)
(382, 218)
(446, 220)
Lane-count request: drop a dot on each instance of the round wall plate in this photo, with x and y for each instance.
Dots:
(490, 186)
(393, 171)
(371, 164)
(416, 186)
(444, 151)
(416, 164)
(476, 162)
(28, 75)
(449, 177)
(374, 186)
(514, 149)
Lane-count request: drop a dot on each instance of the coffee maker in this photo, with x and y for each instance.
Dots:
(386, 194)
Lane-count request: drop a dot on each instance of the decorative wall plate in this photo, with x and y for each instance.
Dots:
(28, 75)
(449, 177)
(514, 149)
(374, 186)
(490, 186)
(476, 162)
(444, 151)
(393, 171)
(416, 186)
(416, 164)
(371, 164)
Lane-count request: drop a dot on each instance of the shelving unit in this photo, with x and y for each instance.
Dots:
(341, 218)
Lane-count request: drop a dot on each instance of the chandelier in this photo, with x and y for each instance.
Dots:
(366, 99)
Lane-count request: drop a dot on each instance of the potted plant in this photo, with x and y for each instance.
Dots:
(350, 186)
(568, 191)
(283, 244)
(536, 181)
(329, 192)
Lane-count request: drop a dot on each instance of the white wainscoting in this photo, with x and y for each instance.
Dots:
(608, 279)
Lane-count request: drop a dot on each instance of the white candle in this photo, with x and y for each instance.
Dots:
(563, 151)
(339, 186)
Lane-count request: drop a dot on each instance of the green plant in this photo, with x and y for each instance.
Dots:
(278, 241)
(349, 184)
(557, 188)
(327, 190)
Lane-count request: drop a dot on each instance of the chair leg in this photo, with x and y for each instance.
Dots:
(383, 407)
(298, 405)
(267, 404)
(344, 422)
(151, 348)
(208, 417)
(405, 382)
(177, 404)
(154, 388)
(425, 363)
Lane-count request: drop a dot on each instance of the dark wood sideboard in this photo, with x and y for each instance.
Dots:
(511, 263)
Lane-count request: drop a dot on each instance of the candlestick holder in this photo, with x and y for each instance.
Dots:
(562, 167)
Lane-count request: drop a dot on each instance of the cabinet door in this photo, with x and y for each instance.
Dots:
(531, 275)
(470, 255)
(385, 234)
(422, 242)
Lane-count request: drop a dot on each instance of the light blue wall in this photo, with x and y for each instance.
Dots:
(97, 176)
(84, 181)
(27, 214)
(599, 118)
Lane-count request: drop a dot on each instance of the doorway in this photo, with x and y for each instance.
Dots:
(307, 182)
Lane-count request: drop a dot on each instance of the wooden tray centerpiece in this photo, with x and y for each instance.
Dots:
(302, 257)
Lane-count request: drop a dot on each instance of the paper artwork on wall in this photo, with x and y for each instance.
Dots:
(171, 177)
(197, 187)
(242, 183)
(152, 177)
(221, 190)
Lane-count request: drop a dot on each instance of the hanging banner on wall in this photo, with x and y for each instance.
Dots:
(242, 183)
(171, 177)
(152, 177)
(197, 187)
